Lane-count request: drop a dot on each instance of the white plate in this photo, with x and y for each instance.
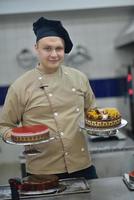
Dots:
(9, 141)
(105, 131)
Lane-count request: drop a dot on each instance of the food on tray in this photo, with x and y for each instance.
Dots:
(30, 133)
(131, 176)
(39, 182)
(103, 117)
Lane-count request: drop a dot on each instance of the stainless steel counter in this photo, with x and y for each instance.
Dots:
(112, 156)
(101, 189)
(111, 144)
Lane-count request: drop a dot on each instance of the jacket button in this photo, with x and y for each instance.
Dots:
(55, 114)
(73, 89)
(82, 149)
(61, 133)
(50, 94)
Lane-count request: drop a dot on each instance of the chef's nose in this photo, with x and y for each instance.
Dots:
(53, 52)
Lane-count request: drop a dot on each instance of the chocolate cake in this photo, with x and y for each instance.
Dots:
(39, 182)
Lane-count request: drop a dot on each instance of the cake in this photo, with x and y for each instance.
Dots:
(39, 182)
(30, 133)
(103, 117)
(131, 176)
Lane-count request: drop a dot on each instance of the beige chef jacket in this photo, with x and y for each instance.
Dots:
(57, 100)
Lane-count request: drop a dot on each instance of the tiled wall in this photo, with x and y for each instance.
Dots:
(95, 30)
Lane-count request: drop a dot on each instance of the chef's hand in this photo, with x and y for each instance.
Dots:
(7, 135)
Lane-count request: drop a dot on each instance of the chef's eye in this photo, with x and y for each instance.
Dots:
(59, 49)
(48, 49)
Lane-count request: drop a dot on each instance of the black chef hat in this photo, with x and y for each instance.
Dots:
(44, 28)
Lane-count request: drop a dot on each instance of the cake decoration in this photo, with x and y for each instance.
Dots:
(103, 117)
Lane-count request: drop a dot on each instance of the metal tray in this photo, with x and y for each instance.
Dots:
(5, 192)
(66, 186)
(129, 184)
(58, 189)
(104, 131)
(75, 185)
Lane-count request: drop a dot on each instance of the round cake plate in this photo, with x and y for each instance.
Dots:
(9, 141)
(104, 131)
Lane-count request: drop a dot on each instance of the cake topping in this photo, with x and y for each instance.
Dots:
(103, 117)
(103, 114)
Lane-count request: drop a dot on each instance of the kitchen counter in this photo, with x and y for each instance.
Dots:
(112, 156)
(101, 189)
(113, 143)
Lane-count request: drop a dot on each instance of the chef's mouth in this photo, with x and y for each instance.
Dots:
(53, 61)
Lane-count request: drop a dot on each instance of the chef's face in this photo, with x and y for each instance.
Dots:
(50, 52)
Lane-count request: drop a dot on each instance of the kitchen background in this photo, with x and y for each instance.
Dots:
(96, 29)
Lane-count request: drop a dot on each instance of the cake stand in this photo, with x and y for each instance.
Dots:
(104, 132)
(31, 149)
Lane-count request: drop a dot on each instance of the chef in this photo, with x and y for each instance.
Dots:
(57, 96)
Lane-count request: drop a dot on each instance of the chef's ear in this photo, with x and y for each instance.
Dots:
(36, 49)
(36, 46)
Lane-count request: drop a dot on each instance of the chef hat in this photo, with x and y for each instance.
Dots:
(45, 28)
